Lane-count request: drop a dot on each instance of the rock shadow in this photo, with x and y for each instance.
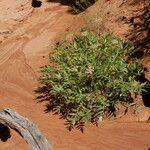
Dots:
(36, 3)
(140, 36)
(4, 133)
(63, 2)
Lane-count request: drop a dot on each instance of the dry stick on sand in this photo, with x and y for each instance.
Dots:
(25, 128)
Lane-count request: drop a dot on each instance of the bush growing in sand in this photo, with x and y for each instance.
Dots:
(88, 77)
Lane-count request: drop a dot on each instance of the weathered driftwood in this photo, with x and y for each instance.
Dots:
(25, 128)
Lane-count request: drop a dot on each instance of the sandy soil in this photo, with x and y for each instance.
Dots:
(21, 55)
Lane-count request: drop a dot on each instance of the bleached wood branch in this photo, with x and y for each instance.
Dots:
(25, 128)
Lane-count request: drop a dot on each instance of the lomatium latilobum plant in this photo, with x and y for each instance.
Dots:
(91, 75)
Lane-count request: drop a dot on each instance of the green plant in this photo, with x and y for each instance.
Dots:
(89, 76)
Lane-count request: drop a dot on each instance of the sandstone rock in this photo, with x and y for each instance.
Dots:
(143, 114)
(12, 12)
